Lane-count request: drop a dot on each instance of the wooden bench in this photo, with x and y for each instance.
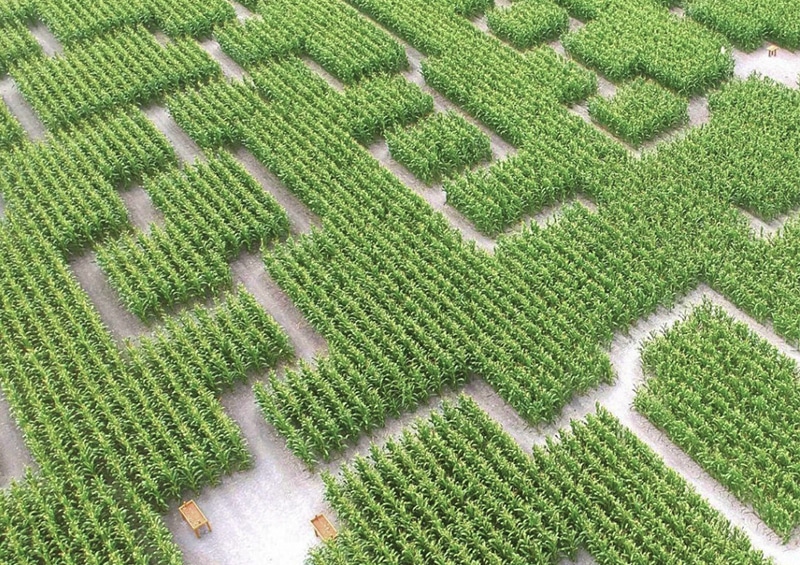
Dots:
(323, 528)
(194, 517)
(772, 50)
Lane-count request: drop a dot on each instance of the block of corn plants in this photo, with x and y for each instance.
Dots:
(439, 146)
(730, 400)
(439, 493)
(748, 23)
(378, 103)
(528, 22)
(640, 110)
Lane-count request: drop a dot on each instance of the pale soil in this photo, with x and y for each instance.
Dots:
(21, 109)
(249, 271)
(434, 195)
(230, 68)
(14, 455)
(51, 46)
(186, 149)
(784, 67)
(301, 219)
(142, 213)
(771, 229)
(242, 13)
(119, 320)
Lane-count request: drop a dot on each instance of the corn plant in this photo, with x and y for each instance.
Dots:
(11, 132)
(379, 103)
(16, 44)
(457, 489)
(640, 110)
(330, 32)
(529, 22)
(630, 38)
(72, 21)
(440, 146)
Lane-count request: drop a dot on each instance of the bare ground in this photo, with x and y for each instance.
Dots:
(769, 229)
(51, 46)
(259, 516)
(434, 196)
(249, 271)
(784, 67)
(552, 214)
(185, 148)
(21, 110)
(118, 319)
(14, 455)
(230, 68)
(242, 13)
(301, 219)
(332, 81)
(142, 213)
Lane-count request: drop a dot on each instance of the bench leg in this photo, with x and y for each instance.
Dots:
(196, 533)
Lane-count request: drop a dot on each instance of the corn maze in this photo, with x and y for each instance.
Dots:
(390, 261)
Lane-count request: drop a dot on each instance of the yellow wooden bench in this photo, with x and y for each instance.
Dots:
(194, 517)
(323, 528)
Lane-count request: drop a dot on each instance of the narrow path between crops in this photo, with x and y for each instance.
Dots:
(230, 68)
(14, 455)
(242, 13)
(248, 269)
(765, 229)
(301, 219)
(50, 45)
(21, 110)
(434, 195)
(186, 149)
(142, 213)
(117, 318)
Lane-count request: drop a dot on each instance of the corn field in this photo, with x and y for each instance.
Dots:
(410, 303)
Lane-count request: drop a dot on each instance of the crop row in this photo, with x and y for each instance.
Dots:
(729, 399)
(639, 111)
(329, 31)
(458, 490)
(67, 187)
(16, 44)
(748, 23)
(442, 145)
(11, 132)
(127, 66)
(213, 210)
(73, 20)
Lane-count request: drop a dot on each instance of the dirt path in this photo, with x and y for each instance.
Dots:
(784, 67)
(434, 195)
(142, 213)
(51, 46)
(301, 219)
(230, 68)
(21, 110)
(249, 271)
(118, 319)
(186, 149)
(14, 454)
